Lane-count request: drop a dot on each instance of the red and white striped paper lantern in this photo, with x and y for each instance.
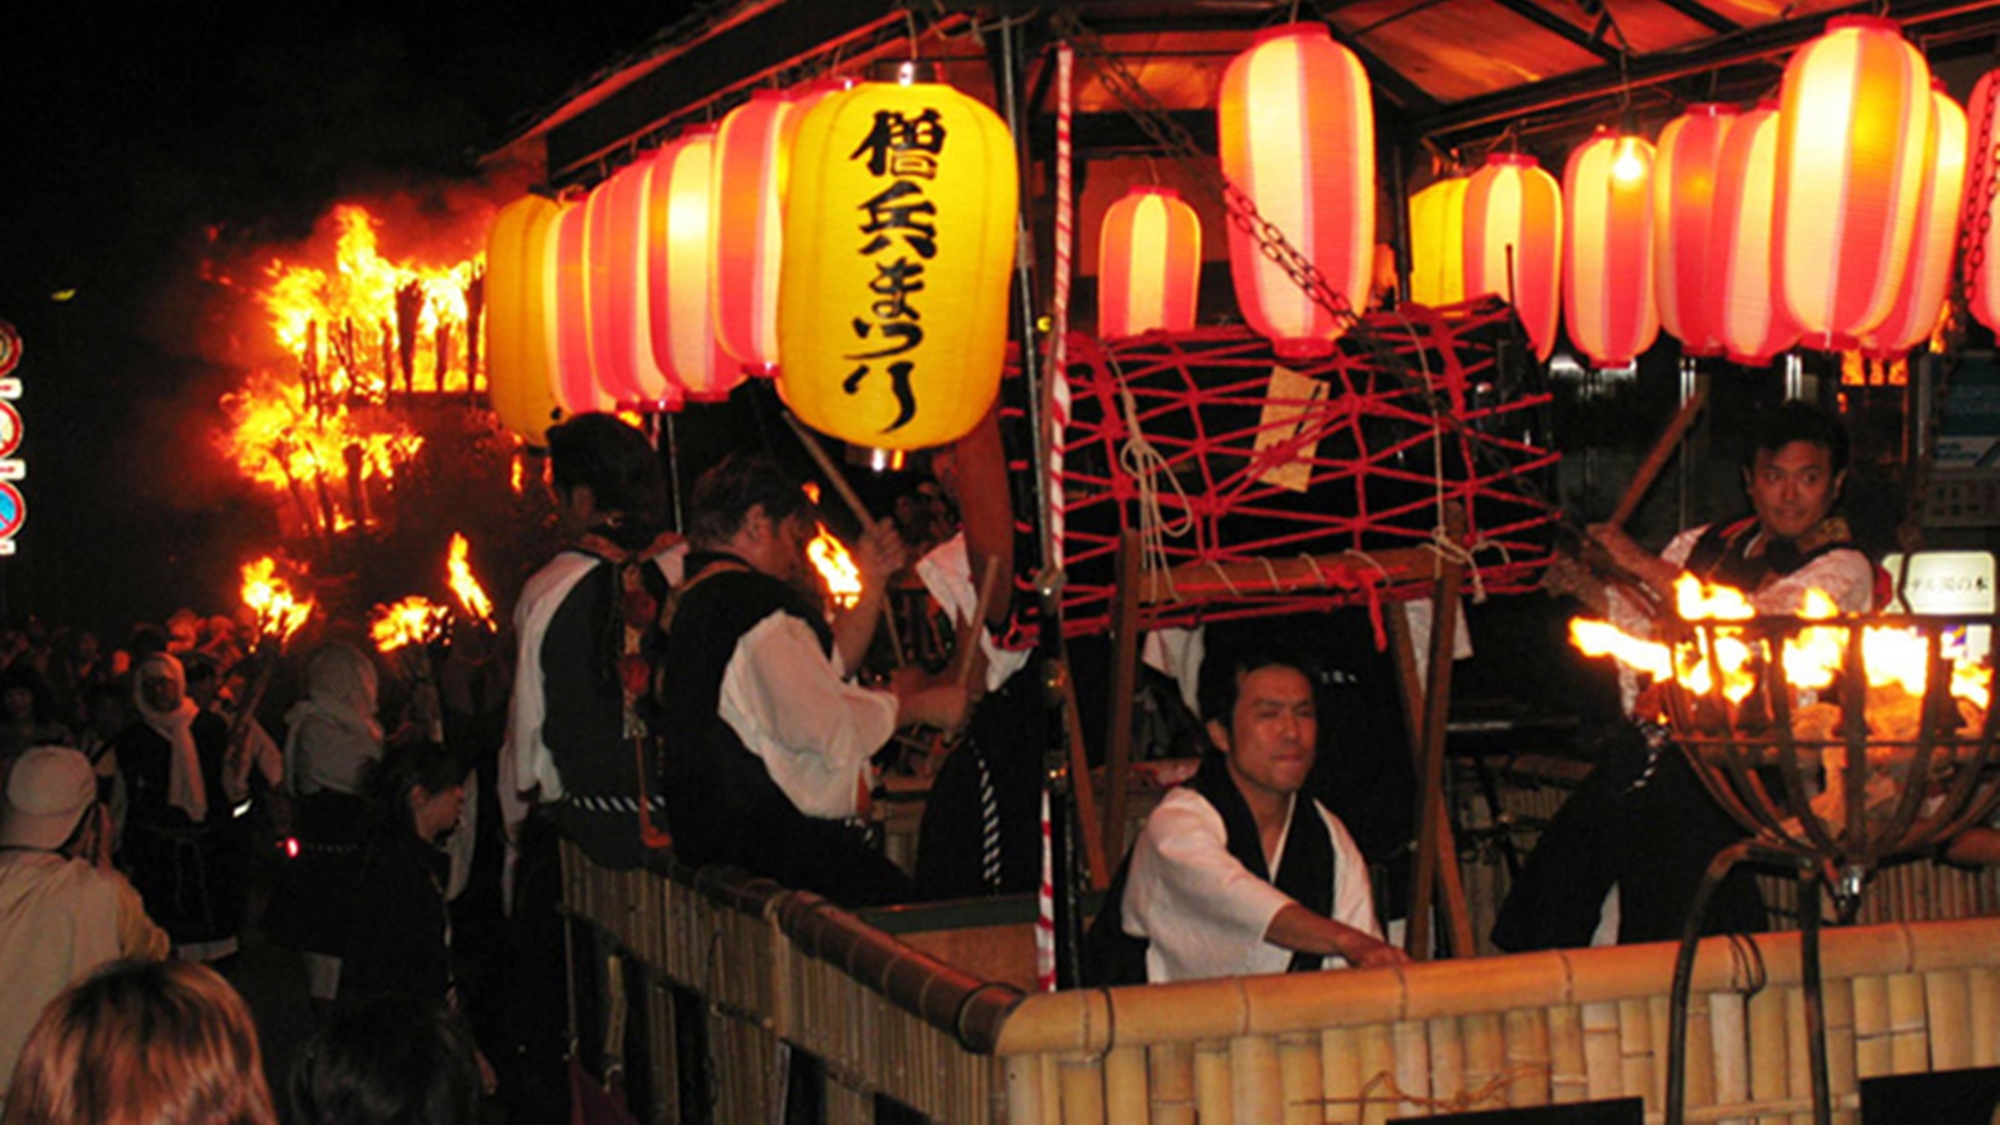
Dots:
(1920, 299)
(1684, 183)
(1513, 242)
(679, 268)
(1608, 254)
(1743, 285)
(1148, 264)
(1297, 135)
(622, 352)
(752, 162)
(1852, 137)
(574, 372)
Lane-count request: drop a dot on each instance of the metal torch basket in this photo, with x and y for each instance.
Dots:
(1892, 775)
(1899, 782)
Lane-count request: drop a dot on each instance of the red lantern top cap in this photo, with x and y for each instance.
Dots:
(1288, 30)
(1517, 159)
(770, 95)
(1157, 190)
(1710, 109)
(1863, 23)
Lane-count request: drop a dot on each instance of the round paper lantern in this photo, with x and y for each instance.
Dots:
(752, 162)
(892, 315)
(1437, 243)
(1513, 242)
(519, 310)
(1684, 172)
(1148, 264)
(679, 287)
(1852, 138)
(1608, 254)
(1920, 299)
(622, 348)
(1297, 133)
(1743, 284)
(574, 378)
(1982, 264)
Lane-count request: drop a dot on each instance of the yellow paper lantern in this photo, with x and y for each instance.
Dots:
(1437, 243)
(1297, 136)
(892, 312)
(519, 310)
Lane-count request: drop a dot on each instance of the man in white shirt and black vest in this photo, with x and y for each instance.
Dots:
(1236, 873)
(769, 740)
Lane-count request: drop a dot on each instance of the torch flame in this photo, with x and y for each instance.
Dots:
(279, 613)
(412, 621)
(471, 597)
(836, 568)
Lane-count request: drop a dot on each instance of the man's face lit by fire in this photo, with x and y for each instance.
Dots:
(163, 693)
(1273, 734)
(1793, 488)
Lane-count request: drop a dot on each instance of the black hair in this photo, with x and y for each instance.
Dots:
(1800, 421)
(389, 1060)
(727, 491)
(401, 771)
(1222, 676)
(613, 460)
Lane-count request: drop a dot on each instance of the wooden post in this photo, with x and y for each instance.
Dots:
(1437, 852)
(1080, 789)
(1124, 682)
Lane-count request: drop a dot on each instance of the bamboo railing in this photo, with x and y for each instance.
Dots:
(783, 971)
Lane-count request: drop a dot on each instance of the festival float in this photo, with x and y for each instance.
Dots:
(1300, 443)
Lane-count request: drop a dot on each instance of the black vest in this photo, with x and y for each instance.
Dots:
(719, 794)
(1306, 874)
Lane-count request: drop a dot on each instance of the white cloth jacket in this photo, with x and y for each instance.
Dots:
(1205, 913)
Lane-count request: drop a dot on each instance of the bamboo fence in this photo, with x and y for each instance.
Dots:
(783, 971)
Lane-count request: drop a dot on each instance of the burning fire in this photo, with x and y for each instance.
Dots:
(1894, 663)
(1892, 657)
(279, 612)
(361, 328)
(836, 568)
(368, 323)
(412, 621)
(471, 597)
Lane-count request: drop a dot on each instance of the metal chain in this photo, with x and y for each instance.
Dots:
(1154, 120)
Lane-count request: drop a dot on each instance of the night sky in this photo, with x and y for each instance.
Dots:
(135, 145)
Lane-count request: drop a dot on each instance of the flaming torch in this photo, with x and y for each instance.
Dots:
(1837, 742)
(464, 586)
(280, 613)
(836, 568)
(410, 627)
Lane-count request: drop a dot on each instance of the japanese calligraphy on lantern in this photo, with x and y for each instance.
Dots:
(892, 304)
